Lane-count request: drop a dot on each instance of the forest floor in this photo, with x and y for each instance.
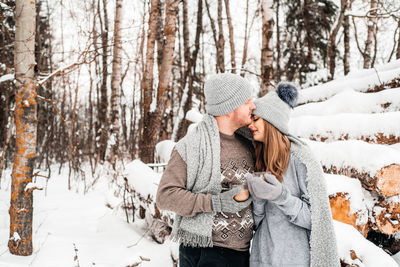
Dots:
(65, 220)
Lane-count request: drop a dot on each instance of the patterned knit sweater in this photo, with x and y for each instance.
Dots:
(231, 230)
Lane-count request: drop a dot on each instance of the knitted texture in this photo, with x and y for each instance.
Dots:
(275, 107)
(323, 247)
(225, 92)
(200, 149)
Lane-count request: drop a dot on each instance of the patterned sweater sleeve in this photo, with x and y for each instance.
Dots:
(297, 208)
(172, 193)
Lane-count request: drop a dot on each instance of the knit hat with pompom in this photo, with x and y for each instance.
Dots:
(275, 106)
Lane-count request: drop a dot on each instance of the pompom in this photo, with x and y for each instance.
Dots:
(288, 93)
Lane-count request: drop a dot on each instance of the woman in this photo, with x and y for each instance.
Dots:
(291, 209)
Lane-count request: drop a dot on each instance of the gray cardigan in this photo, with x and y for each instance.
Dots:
(295, 208)
(283, 226)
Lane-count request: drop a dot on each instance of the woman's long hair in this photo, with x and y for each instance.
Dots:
(273, 154)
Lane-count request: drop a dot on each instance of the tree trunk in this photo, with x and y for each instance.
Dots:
(115, 82)
(221, 41)
(5, 145)
(150, 135)
(214, 31)
(398, 43)
(332, 40)
(185, 100)
(307, 25)
(103, 120)
(21, 209)
(136, 133)
(370, 36)
(160, 34)
(278, 44)
(346, 57)
(245, 42)
(231, 36)
(184, 124)
(267, 54)
(147, 80)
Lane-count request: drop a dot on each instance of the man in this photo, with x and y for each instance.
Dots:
(206, 171)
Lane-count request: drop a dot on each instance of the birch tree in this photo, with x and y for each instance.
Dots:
(267, 54)
(370, 35)
(21, 209)
(115, 82)
(103, 103)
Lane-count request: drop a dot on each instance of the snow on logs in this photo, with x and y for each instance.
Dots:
(360, 81)
(376, 166)
(354, 250)
(349, 204)
(386, 216)
(353, 205)
(373, 128)
(140, 185)
(350, 101)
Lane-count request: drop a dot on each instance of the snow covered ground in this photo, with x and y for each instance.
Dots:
(64, 220)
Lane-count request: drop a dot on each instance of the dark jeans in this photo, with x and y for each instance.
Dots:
(209, 257)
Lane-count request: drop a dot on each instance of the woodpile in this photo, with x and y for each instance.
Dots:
(386, 182)
(376, 166)
(386, 217)
(370, 128)
(355, 134)
(340, 206)
(365, 81)
(350, 102)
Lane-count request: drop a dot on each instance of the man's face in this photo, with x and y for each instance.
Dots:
(242, 115)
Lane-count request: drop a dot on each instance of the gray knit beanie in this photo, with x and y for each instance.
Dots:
(225, 92)
(275, 107)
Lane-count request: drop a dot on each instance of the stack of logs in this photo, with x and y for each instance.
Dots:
(334, 137)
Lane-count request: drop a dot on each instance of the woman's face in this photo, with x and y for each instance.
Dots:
(257, 128)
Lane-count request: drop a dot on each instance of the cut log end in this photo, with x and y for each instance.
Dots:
(387, 221)
(388, 180)
(340, 208)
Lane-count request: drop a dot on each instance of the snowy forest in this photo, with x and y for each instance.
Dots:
(94, 95)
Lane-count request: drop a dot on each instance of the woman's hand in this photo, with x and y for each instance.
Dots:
(265, 187)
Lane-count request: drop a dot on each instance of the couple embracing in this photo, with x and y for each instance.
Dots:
(242, 147)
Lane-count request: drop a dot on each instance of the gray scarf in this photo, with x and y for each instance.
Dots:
(200, 149)
(322, 240)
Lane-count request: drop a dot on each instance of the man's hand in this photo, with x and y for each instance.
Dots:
(224, 202)
(268, 188)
